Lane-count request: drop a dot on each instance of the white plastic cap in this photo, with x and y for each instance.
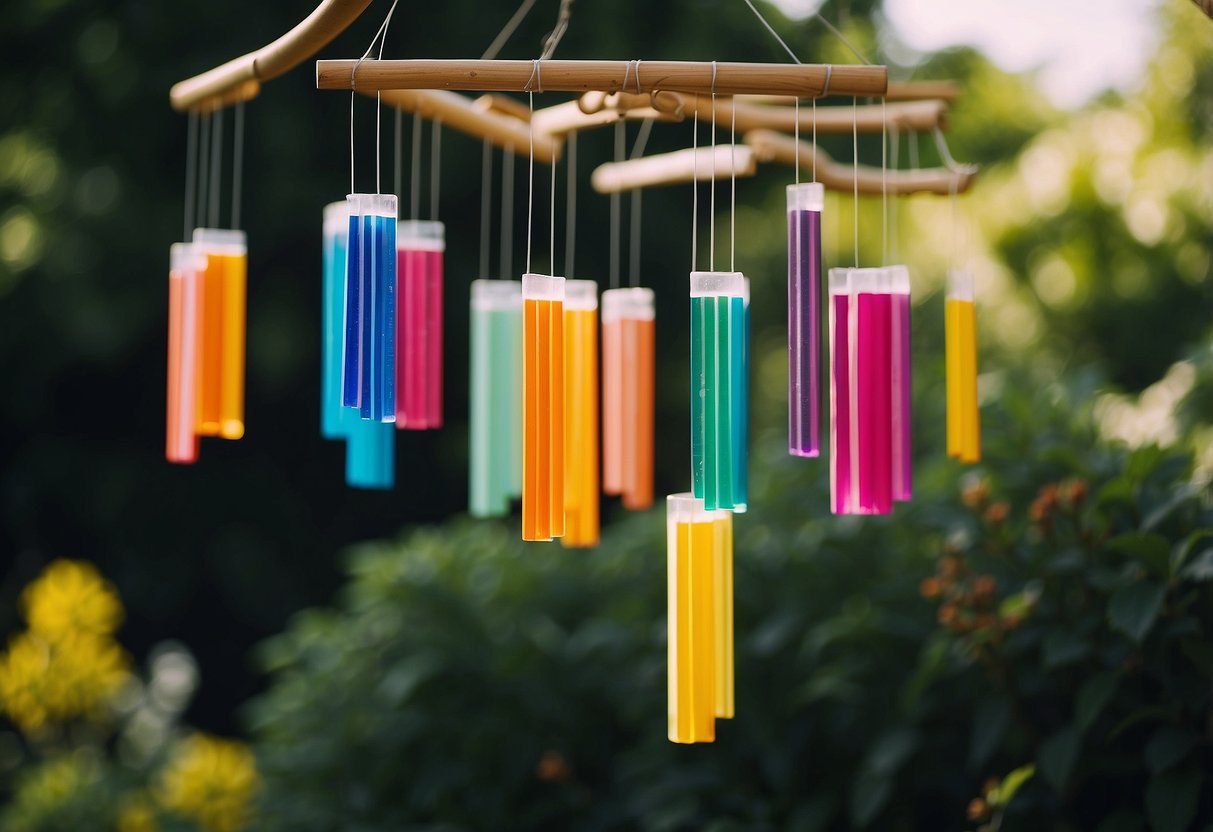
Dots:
(960, 285)
(840, 280)
(372, 205)
(183, 258)
(542, 287)
(870, 281)
(717, 284)
(496, 295)
(220, 241)
(745, 290)
(685, 507)
(336, 219)
(635, 304)
(899, 279)
(420, 235)
(580, 295)
(807, 196)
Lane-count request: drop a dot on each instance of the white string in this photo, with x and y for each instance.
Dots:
(237, 164)
(530, 191)
(884, 181)
(695, 189)
(616, 208)
(415, 170)
(381, 37)
(642, 140)
(486, 187)
(435, 166)
(570, 228)
(552, 226)
(855, 168)
(191, 170)
(895, 227)
(399, 151)
(507, 213)
(216, 166)
(712, 196)
(733, 184)
(204, 162)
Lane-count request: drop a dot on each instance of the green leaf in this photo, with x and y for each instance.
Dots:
(1182, 495)
(869, 794)
(1094, 694)
(1119, 490)
(1171, 800)
(1063, 647)
(1184, 550)
(989, 725)
(1201, 567)
(891, 751)
(1134, 609)
(1167, 747)
(1058, 755)
(1011, 784)
(1153, 551)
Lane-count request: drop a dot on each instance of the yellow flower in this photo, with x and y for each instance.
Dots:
(70, 596)
(137, 815)
(211, 780)
(45, 681)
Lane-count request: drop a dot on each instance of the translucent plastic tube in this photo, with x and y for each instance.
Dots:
(186, 269)
(543, 407)
(722, 613)
(691, 605)
(419, 254)
(581, 500)
(332, 318)
(495, 397)
(369, 357)
(221, 359)
(805, 202)
(629, 329)
(964, 418)
(840, 391)
(739, 362)
(370, 453)
(899, 280)
(871, 351)
(717, 321)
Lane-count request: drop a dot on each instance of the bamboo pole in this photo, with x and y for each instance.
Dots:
(328, 20)
(905, 117)
(725, 78)
(680, 166)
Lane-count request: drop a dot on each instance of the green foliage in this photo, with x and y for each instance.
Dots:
(470, 681)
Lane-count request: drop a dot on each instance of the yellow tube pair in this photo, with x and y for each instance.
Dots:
(960, 333)
(699, 618)
(581, 520)
(220, 399)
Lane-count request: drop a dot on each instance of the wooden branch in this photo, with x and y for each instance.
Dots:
(805, 80)
(776, 147)
(674, 168)
(905, 117)
(214, 87)
(1206, 6)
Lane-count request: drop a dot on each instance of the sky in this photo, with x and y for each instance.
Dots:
(1079, 47)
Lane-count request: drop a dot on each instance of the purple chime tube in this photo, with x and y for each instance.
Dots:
(805, 203)
(899, 280)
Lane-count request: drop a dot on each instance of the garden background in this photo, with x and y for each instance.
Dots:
(378, 661)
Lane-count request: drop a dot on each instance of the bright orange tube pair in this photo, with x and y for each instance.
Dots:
(629, 330)
(221, 333)
(581, 495)
(542, 407)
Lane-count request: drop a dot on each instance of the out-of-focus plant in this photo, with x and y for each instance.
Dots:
(99, 747)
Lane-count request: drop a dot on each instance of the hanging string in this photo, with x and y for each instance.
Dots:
(204, 165)
(733, 183)
(507, 213)
(191, 170)
(712, 195)
(884, 182)
(415, 170)
(398, 152)
(570, 227)
(552, 226)
(486, 187)
(216, 164)
(238, 165)
(913, 150)
(435, 166)
(381, 38)
(695, 188)
(855, 168)
(616, 209)
(642, 139)
(895, 232)
(507, 30)
(530, 188)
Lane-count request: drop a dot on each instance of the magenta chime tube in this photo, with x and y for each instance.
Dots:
(899, 280)
(840, 391)
(871, 388)
(805, 202)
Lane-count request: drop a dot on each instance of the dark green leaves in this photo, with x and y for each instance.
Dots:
(1133, 609)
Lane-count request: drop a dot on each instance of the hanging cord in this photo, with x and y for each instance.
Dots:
(552, 226)
(695, 188)
(616, 208)
(570, 225)
(507, 30)
(507, 213)
(238, 165)
(537, 78)
(216, 165)
(894, 233)
(381, 37)
(712, 195)
(435, 166)
(204, 164)
(563, 16)
(642, 139)
(825, 90)
(398, 153)
(733, 184)
(486, 189)
(191, 170)
(415, 170)
(955, 223)
(884, 182)
(855, 168)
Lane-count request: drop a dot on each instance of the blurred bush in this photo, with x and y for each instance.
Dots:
(468, 681)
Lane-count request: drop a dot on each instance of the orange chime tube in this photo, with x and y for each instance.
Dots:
(221, 355)
(581, 507)
(186, 267)
(960, 333)
(629, 373)
(542, 407)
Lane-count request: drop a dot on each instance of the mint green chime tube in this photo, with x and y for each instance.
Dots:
(495, 397)
(717, 362)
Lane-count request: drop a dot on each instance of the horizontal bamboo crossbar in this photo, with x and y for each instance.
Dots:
(904, 117)
(688, 165)
(328, 20)
(804, 80)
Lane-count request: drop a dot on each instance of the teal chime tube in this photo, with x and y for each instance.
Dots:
(495, 397)
(370, 458)
(717, 359)
(739, 363)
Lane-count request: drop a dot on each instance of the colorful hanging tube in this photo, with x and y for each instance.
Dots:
(960, 332)
(861, 391)
(899, 286)
(629, 361)
(581, 521)
(186, 269)
(495, 397)
(699, 609)
(369, 358)
(419, 254)
(370, 453)
(739, 357)
(717, 356)
(221, 346)
(543, 407)
(805, 203)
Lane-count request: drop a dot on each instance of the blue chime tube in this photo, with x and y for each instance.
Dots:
(369, 355)
(495, 397)
(370, 453)
(717, 329)
(332, 318)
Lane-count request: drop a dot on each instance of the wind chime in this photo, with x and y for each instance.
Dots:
(535, 386)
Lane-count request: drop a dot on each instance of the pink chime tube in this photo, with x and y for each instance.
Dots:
(840, 391)
(419, 254)
(805, 202)
(899, 280)
(871, 350)
(186, 266)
